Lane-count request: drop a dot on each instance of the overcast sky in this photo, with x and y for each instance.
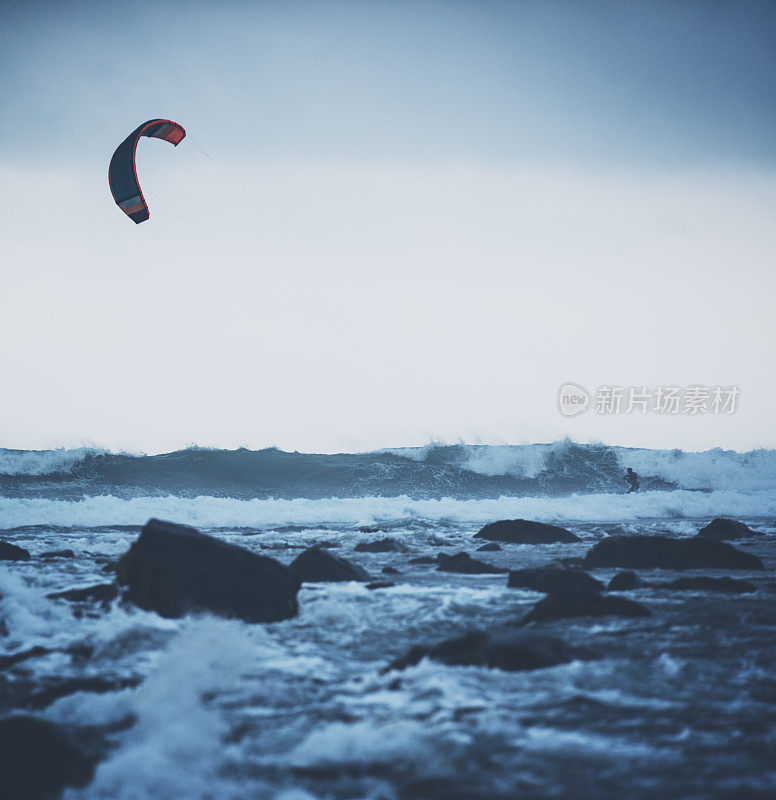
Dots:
(390, 222)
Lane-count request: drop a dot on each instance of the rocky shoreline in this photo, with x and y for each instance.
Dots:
(174, 571)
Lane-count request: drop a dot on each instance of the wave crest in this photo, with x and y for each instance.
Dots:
(436, 470)
(44, 462)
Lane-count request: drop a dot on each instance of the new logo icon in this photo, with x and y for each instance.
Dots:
(572, 399)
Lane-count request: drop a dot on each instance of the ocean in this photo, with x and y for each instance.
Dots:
(681, 703)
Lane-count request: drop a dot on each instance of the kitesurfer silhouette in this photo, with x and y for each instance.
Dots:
(633, 480)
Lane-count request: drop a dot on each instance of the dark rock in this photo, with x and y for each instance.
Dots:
(58, 554)
(704, 584)
(317, 566)
(510, 652)
(38, 759)
(391, 571)
(551, 578)
(464, 563)
(491, 547)
(435, 541)
(423, 560)
(379, 585)
(380, 546)
(625, 580)
(661, 552)
(367, 529)
(173, 570)
(523, 531)
(101, 593)
(721, 528)
(10, 552)
(564, 605)
(572, 562)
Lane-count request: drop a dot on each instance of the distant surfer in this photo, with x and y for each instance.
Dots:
(633, 480)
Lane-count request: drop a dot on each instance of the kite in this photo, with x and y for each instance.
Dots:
(122, 175)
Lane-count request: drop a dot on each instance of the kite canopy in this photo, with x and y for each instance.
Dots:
(122, 175)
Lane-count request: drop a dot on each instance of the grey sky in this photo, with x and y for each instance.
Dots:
(417, 220)
(654, 81)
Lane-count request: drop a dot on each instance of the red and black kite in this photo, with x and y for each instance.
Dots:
(122, 175)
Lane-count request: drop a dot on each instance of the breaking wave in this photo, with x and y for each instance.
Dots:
(43, 462)
(434, 471)
(222, 512)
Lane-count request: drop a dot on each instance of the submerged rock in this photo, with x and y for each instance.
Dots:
(509, 652)
(551, 578)
(435, 541)
(625, 580)
(380, 546)
(317, 566)
(10, 552)
(58, 554)
(523, 531)
(721, 528)
(706, 584)
(173, 570)
(423, 560)
(628, 579)
(101, 593)
(390, 571)
(664, 553)
(491, 547)
(570, 604)
(465, 564)
(379, 585)
(38, 759)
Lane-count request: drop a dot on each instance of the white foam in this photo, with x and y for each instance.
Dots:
(710, 469)
(522, 461)
(42, 462)
(525, 461)
(590, 745)
(30, 617)
(209, 512)
(89, 708)
(362, 743)
(176, 748)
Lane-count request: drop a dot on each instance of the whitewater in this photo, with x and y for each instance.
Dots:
(386, 512)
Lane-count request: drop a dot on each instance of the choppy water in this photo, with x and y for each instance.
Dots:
(679, 704)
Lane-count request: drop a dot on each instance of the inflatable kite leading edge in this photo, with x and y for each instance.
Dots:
(122, 174)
